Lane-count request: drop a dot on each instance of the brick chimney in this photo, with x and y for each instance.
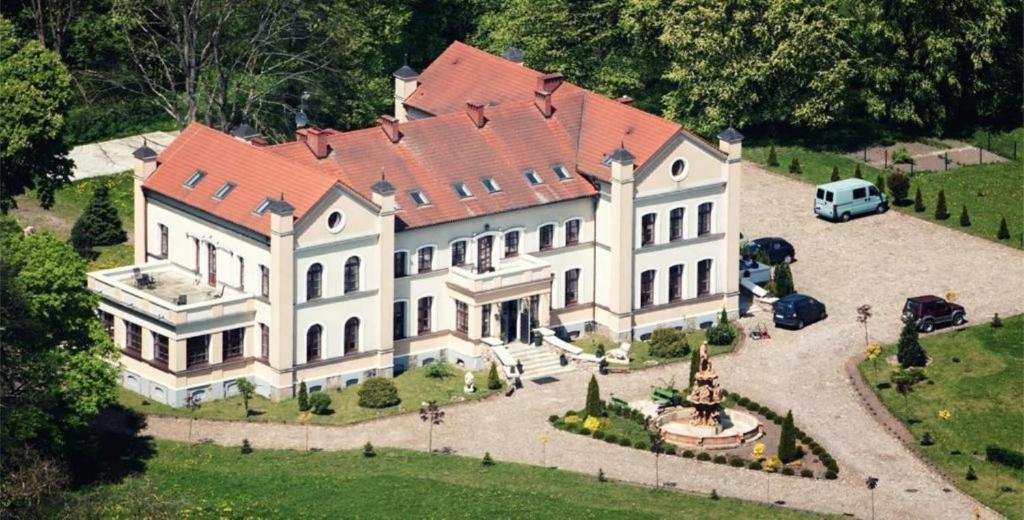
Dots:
(542, 99)
(316, 140)
(625, 100)
(390, 126)
(549, 82)
(475, 111)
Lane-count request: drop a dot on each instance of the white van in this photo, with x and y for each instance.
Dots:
(842, 200)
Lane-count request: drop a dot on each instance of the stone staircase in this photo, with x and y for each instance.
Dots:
(537, 361)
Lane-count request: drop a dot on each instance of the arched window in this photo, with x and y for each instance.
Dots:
(313, 341)
(704, 219)
(352, 274)
(675, 227)
(647, 288)
(351, 336)
(314, 279)
(704, 277)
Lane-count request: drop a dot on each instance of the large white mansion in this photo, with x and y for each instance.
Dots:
(495, 201)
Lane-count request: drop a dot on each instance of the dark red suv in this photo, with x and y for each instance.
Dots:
(929, 311)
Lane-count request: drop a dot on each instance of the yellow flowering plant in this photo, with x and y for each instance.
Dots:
(945, 415)
(572, 419)
(772, 464)
(759, 451)
(592, 423)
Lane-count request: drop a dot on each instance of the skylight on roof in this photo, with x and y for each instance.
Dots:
(223, 191)
(262, 208)
(532, 177)
(491, 185)
(419, 198)
(607, 161)
(561, 172)
(194, 178)
(462, 190)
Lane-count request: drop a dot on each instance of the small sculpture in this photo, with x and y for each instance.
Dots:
(706, 395)
(470, 385)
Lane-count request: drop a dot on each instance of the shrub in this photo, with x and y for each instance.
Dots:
(1011, 458)
(902, 156)
(794, 166)
(772, 464)
(941, 213)
(599, 352)
(570, 412)
(688, 454)
(773, 160)
(899, 185)
(368, 450)
(703, 456)
(595, 408)
(722, 333)
(624, 442)
(880, 182)
(743, 401)
(694, 365)
(641, 445)
(714, 494)
(552, 418)
(439, 370)
(782, 281)
(755, 464)
(719, 459)
(585, 431)
(918, 201)
(99, 224)
(246, 447)
(770, 415)
(927, 440)
(592, 423)
(971, 475)
(668, 343)
(806, 473)
(611, 438)
(831, 475)
(787, 440)
(857, 173)
(303, 397)
(320, 403)
(487, 460)
(670, 449)
(600, 475)
(1004, 232)
(965, 219)
(572, 420)
(737, 462)
(378, 392)
(997, 322)
(788, 471)
(493, 383)
(910, 353)
(835, 174)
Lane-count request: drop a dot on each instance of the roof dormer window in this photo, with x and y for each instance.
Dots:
(223, 191)
(561, 172)
(607, 161)
(419, 198)
(194, 179)
(262, 208)
(532, 177)
(462, 190)
(491, 185)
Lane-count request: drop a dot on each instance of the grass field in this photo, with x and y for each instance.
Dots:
(414, 387)
(206, 481)
(978, 375)
(639, 354)
(69, 203)
(991, 191)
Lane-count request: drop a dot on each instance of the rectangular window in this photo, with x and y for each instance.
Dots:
(399, 320)
(459, 252)
(562, 172)
(534, 311)
(233, 343)
(264, 281)
(704, 219)
(196, 242)
(462, 190)
(163, 240)
(675, 283)
(241, 273)
(197, 351)
(675, 221)
(423, 311)
(647, 288)
(194, 178)
(461, 317)
(704, 277)
(419, 198)
(572, 232)
(264, 341)
(647, 223)
(491, 185)
(485, 321)
(547, 237)
(532, 177)
(211, 264)
(572, 286)
(108, 323)
(426, 260)
(484, 246)
(133, 337)
(401, 263)
(860, 193)
(511, 244)
(160, 351)
(223, 191)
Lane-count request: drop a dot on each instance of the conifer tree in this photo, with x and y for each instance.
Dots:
(594, 406)
(782, 284)
(787, 440)
(965, 219)
(794, 166)
(1004, 232)
(303, 397)
(880, 182)
(694, 365)
(918, 201)
(857, 173)
(941, 213)
(773, 160)
(835, 173)
(493, 382)
(910, 353)
(99, 224)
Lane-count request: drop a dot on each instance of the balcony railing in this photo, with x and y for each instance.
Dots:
(507, 272)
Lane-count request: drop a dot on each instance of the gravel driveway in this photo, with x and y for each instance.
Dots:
(878, 261)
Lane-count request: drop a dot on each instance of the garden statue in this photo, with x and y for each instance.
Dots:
(470, 385)
(706, 395)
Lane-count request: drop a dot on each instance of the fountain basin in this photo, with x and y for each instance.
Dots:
(738, 428)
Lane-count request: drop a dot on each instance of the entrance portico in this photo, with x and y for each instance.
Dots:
(506, 302)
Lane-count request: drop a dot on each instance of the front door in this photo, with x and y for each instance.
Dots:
(483, 254)
(509, 321)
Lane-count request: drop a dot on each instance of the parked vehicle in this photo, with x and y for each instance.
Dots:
(798, 310)
(777, 250)
(929, 311)
(845, 199)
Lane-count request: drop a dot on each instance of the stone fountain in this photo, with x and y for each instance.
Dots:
(707, 424)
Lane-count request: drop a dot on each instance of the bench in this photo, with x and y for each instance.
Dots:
(620, 402)
(664, 396)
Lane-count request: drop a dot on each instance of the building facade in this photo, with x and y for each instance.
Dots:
(497, 200)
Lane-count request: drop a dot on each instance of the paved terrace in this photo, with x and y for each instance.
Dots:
(878, 261)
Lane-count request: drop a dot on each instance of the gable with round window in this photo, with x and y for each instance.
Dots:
(336, 221)
(680, 169)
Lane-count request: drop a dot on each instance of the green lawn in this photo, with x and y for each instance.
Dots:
(414, 387)
(991, 191)
(639, 354)
(69, 203)
(206, 481)
(982, 391)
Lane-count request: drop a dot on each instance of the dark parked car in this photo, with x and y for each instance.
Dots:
(777, 249)
(797, 310)
(929, 311)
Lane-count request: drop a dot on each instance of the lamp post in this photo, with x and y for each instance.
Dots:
(872, 483)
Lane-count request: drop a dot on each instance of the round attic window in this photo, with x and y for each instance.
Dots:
(680, 168)
(335, 221)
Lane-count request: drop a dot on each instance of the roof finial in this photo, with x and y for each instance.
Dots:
(405, 58)
(382, 179)
(282, 195)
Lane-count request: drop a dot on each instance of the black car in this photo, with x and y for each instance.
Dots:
(798, 310)
(928, 311)
(777, 249)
